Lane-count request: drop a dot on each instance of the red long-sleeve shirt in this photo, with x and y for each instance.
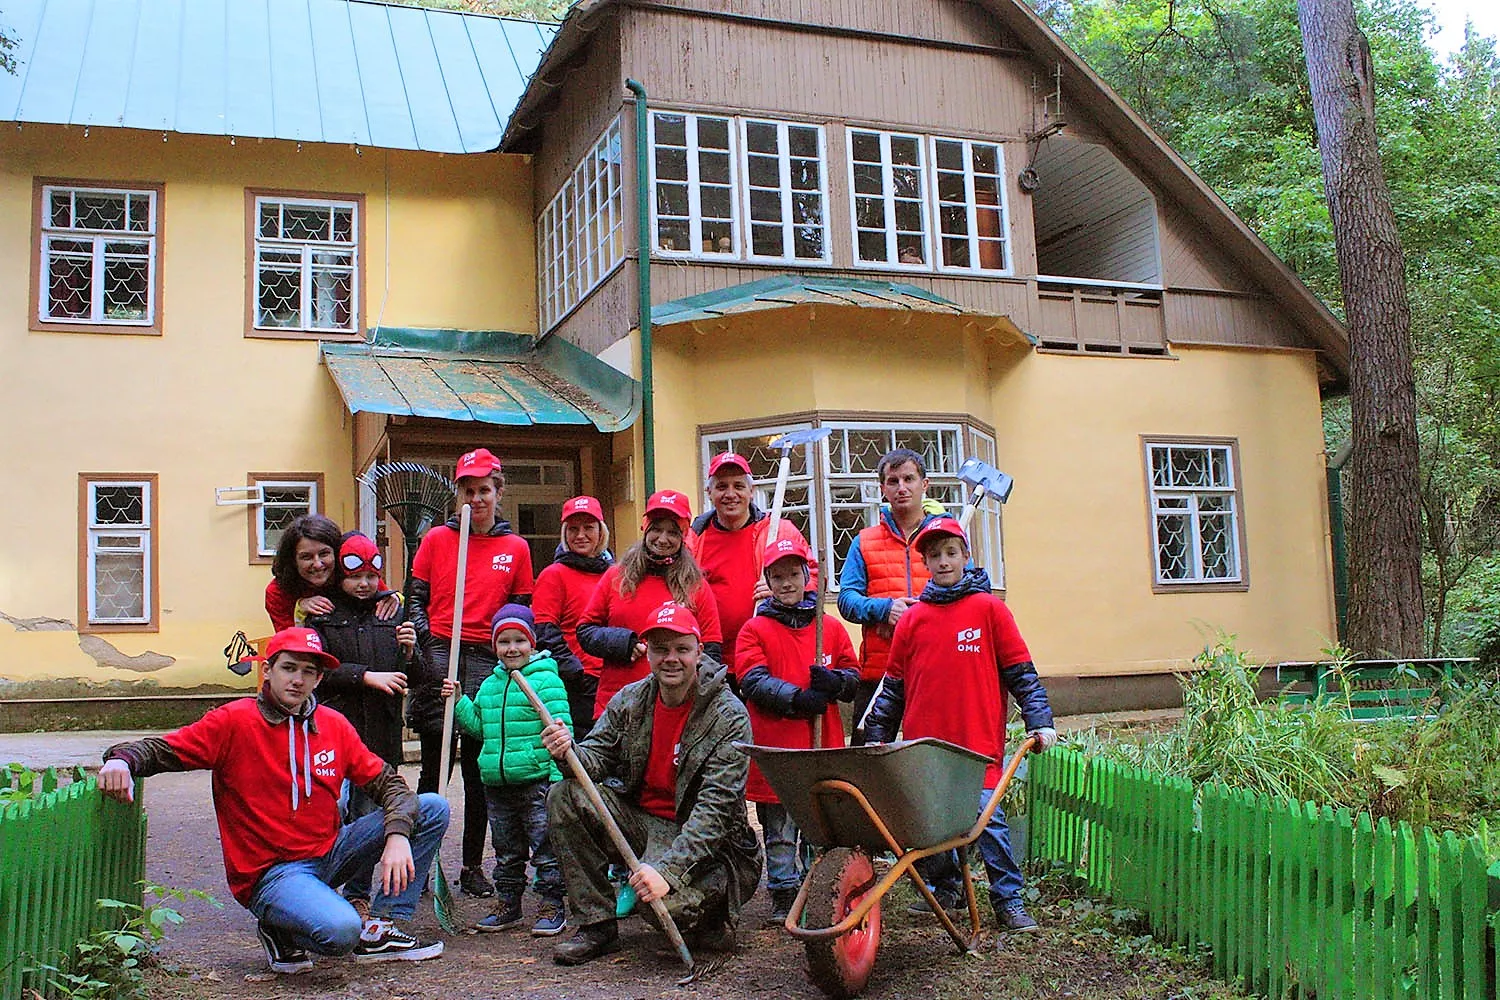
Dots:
(562, 595)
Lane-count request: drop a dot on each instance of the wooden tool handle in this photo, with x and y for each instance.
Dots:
(446, 759)
(817, 722)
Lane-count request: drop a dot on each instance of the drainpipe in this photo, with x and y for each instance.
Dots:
(643, 272)
(1340, 545)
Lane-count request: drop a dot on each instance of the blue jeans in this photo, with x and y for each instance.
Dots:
(941, 870)
(787, 854)
(298, 898)
(518, 826)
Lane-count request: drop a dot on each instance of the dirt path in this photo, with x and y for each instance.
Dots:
(214, 956)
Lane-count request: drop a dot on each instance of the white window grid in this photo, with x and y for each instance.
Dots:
(98, 256)
(785, 186)
(968, 189)
(1195, 513)
(581, 232)
(283, 501)
(847, 465)
(306, 265)
(888, 199)
(119, 552)
(694, 207)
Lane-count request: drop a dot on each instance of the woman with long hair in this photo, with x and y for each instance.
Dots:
(563, 591)
(302, 577)
(657, 570)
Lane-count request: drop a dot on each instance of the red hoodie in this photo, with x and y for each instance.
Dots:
(499, 569)
(275, 786)
(562, 594)
(731, 563)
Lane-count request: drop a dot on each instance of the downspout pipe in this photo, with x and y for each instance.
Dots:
(643, 273)
(1338, 539)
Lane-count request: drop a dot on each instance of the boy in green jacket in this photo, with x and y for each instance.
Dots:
(517, 770)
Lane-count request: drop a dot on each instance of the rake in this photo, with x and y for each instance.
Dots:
(416, 496)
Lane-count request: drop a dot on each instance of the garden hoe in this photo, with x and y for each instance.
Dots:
(984, 481)
(442, 894)
(696, 970)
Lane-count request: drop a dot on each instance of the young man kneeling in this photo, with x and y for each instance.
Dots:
(279, 762)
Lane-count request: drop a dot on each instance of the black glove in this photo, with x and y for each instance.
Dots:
(809, 704)
(824, 681)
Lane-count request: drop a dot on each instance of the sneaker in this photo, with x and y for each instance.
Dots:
(507, 913)
(280, 956)
(471, 882)
(949, 899)
(551, 918)
(383, 941)
(781, 905)
(587, 944)
(1013, 917)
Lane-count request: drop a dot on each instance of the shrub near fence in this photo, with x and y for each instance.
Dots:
(62, 850)
(1294, 900)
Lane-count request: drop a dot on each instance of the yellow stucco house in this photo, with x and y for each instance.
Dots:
(246, 252)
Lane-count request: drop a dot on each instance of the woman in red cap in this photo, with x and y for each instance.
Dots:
(498, 572)
(657, 569)
(563, 591)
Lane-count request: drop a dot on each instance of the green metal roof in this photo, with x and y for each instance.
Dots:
(487, 377)
(789, 290)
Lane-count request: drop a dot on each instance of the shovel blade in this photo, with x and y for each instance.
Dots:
(976, 474)
(793, 439)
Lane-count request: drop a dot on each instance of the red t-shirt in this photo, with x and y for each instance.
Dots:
(609, 607)
(562, 594)
(950, 656)
(787, 653)
(731, 562)
(659, 784)
(252, 784)
(499, 568)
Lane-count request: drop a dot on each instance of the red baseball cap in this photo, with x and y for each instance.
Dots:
(673, 617)
(669, 502)
(301, 640)
(479, 462)
(786, 548)
(939, 527)
(583, 505)
(728, 459)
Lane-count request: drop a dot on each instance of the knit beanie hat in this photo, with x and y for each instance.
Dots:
(514, 616)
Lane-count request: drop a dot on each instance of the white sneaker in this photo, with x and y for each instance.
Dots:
(382, 941)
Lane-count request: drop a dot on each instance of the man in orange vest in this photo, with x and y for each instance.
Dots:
(882, 575)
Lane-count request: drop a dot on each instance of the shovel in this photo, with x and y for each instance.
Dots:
(984, 481)
(786, 442)
(442, 893)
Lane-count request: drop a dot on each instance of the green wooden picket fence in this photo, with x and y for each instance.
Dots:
(1295, 901)
(61, 851)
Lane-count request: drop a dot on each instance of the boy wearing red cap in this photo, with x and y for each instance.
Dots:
(955, 656)
(664, 758)
(498, 572)
(279, 761)
(563, 592)
(784, 691)
(729, 542)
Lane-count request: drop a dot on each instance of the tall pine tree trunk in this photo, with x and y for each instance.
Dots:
(1385, 564)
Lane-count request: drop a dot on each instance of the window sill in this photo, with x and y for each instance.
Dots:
(1200, 588)
(113, 329)
(310, 336)
(105, 629)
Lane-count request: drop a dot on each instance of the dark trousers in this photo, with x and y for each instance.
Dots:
(581, 692)
(518, 822)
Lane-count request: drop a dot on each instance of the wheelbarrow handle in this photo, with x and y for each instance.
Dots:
(616, 835)
(1028, 745)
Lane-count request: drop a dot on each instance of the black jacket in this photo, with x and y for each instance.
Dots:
(361, 641)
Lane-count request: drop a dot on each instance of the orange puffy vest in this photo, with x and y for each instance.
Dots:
(893, 568)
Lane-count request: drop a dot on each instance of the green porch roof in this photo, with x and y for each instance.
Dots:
(487, 377)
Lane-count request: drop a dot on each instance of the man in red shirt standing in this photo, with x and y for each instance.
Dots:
(279, 761)
(664, 759)
(956, 658)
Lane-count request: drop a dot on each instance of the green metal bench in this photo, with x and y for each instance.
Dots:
(1374, 689)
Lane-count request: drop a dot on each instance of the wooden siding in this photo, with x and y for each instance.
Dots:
(1189, 258)
(608, 314)
(592, 96)
(1093, 217)
(1243, 320)
(956, 22)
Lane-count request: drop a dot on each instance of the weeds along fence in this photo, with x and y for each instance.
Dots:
(63, 847)
(1295, 901)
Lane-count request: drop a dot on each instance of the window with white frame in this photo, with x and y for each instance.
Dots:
(693, 176)
(844, 475)
(969, 187)
(98, 251)
(283, 499)
(306, 265)
(118, 560)
(1194, 512)
(784, 191)
(888, 187)
(581, 232)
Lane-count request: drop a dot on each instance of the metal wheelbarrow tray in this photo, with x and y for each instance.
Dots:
(914, 798)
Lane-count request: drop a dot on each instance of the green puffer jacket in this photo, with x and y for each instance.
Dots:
(500, 715)
(710, 778)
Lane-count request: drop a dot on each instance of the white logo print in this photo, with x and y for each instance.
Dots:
(323, 764)
(666, 612)
(968, 640)
(501, 563)
(323, 757)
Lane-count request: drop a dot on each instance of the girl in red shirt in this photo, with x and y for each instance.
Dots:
(563, 591)
(654, 571)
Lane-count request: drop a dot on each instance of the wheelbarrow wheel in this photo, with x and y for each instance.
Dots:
(841, 966)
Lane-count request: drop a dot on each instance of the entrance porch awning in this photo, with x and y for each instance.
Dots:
(486, 377)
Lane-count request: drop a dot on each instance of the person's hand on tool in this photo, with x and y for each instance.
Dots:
(396, 868)
(450, 688)
(406, 637)
(762, 590)
(648, 884)
(1046, 738)
(824, 681)
(385, 608)
(809, 704)
(316, 605)
(898, 608)
(116, 781)
(557, 740)
(386, 681)
(638, 651)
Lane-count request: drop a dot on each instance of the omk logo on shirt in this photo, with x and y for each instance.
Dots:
(501, 563)
(322, 763)
(968, 640)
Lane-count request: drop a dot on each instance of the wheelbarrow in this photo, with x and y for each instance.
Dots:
(914, 798)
